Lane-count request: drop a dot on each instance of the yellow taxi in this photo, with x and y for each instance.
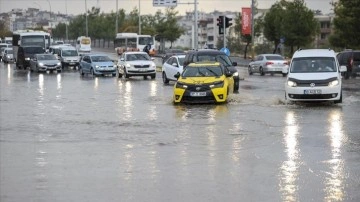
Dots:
(203, 82)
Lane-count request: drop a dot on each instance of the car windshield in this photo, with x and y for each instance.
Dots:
(208, 71)
(46, 57)
(134, 57)
(9, 51)
(274, 57)
(313, 65)
(181, 61)
(100, 58)
(69, 53)
(33, 50)
(223, 59)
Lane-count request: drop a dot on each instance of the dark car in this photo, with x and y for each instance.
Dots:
(214, 55)
(25, 53)
(350, 59)
(172, 52)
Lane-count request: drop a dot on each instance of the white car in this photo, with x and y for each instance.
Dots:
(172, 66)
(136, 64)
(314, 75)
(269, 63)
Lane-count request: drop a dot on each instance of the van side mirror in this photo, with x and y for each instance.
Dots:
(343, 68)
(234, 63)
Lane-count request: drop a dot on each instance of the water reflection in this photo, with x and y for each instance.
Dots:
(128, 102)
(96, 83)
(152, 113)
(58, 79)
(289, 170)
(335, 179)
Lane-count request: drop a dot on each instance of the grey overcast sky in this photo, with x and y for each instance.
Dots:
(76, 7)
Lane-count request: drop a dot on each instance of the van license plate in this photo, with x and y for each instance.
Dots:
(198, 94)
(311, 92)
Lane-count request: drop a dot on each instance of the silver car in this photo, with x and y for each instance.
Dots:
(269, 64)
(45, 62)
(8, 55)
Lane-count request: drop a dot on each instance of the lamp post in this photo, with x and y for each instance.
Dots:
(66, 23)
(86, 19)
(116, 19)
(50, 7)
(139, 20)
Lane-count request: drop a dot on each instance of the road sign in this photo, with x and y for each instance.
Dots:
(165, 3)
(226, 51)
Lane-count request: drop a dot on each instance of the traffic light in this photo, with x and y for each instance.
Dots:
(220, 24)
(228, 22)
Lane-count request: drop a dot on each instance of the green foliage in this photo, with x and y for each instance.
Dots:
(346, 24)
(4, 32)
(291, 20)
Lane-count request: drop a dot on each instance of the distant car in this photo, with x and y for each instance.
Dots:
(269, 64)
(25, 53)
(214, 55)
(314, 75)
(172, 52)
(59, 42)
(203, 82)
(8, 55)
(2, 48)
(45, 62)
(97, 65)
(350, 59)
(172, 66)
(68, 56)
(136, 64)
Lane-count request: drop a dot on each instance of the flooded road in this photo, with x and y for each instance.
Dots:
(69, 138)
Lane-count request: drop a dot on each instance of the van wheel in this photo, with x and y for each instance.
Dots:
(340, 100)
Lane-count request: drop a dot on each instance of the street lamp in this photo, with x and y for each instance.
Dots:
(139, 20)
(50, 7)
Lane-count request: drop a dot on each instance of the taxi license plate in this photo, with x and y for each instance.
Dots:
(311, 92)
(198, 94)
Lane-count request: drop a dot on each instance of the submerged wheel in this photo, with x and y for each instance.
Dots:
(164, 78)
(261, 71)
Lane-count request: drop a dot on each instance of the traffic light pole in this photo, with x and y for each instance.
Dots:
(224, 27)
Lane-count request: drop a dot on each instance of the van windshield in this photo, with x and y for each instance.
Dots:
(313, 65)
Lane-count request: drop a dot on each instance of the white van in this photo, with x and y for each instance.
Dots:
(83, 44)
(314, 75)
(69, 56)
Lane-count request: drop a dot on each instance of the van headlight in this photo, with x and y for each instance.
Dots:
(291, 83)
(219, 84)
(334, 83)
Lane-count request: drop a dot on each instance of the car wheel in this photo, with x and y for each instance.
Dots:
(153, 76)
(261, 71)
(347, 75)
(164, 78)
(113, 75)
(51, 71)
(125, 74)
(93, 72)
(145, 77)
(119, 75)
(249, 70)
(81, 71)
(59, 71)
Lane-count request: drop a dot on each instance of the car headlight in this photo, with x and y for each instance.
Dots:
(27, 58)
(41, 64)
(97, 66)
(114, 66)
(180, 85)
(236, 74)
(334, 83)
(291, 83)
(219, 84)
(8, 56)
(128, 65)
(59, 63)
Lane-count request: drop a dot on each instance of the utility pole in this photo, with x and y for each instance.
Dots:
(139, 20)
(195, 26)
(117, 16)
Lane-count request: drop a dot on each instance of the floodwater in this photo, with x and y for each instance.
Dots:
(69, 138)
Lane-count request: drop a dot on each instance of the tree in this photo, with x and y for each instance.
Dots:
(292, 21)
(4, 31)
(346, 24)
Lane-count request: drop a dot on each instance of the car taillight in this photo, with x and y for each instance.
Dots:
(269, 63)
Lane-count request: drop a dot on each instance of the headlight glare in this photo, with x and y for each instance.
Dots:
(291, 83)
(334, 83)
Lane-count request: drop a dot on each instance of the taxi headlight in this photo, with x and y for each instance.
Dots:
(334, 83)
(291, 83)
(219, 84)
(181, 85)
